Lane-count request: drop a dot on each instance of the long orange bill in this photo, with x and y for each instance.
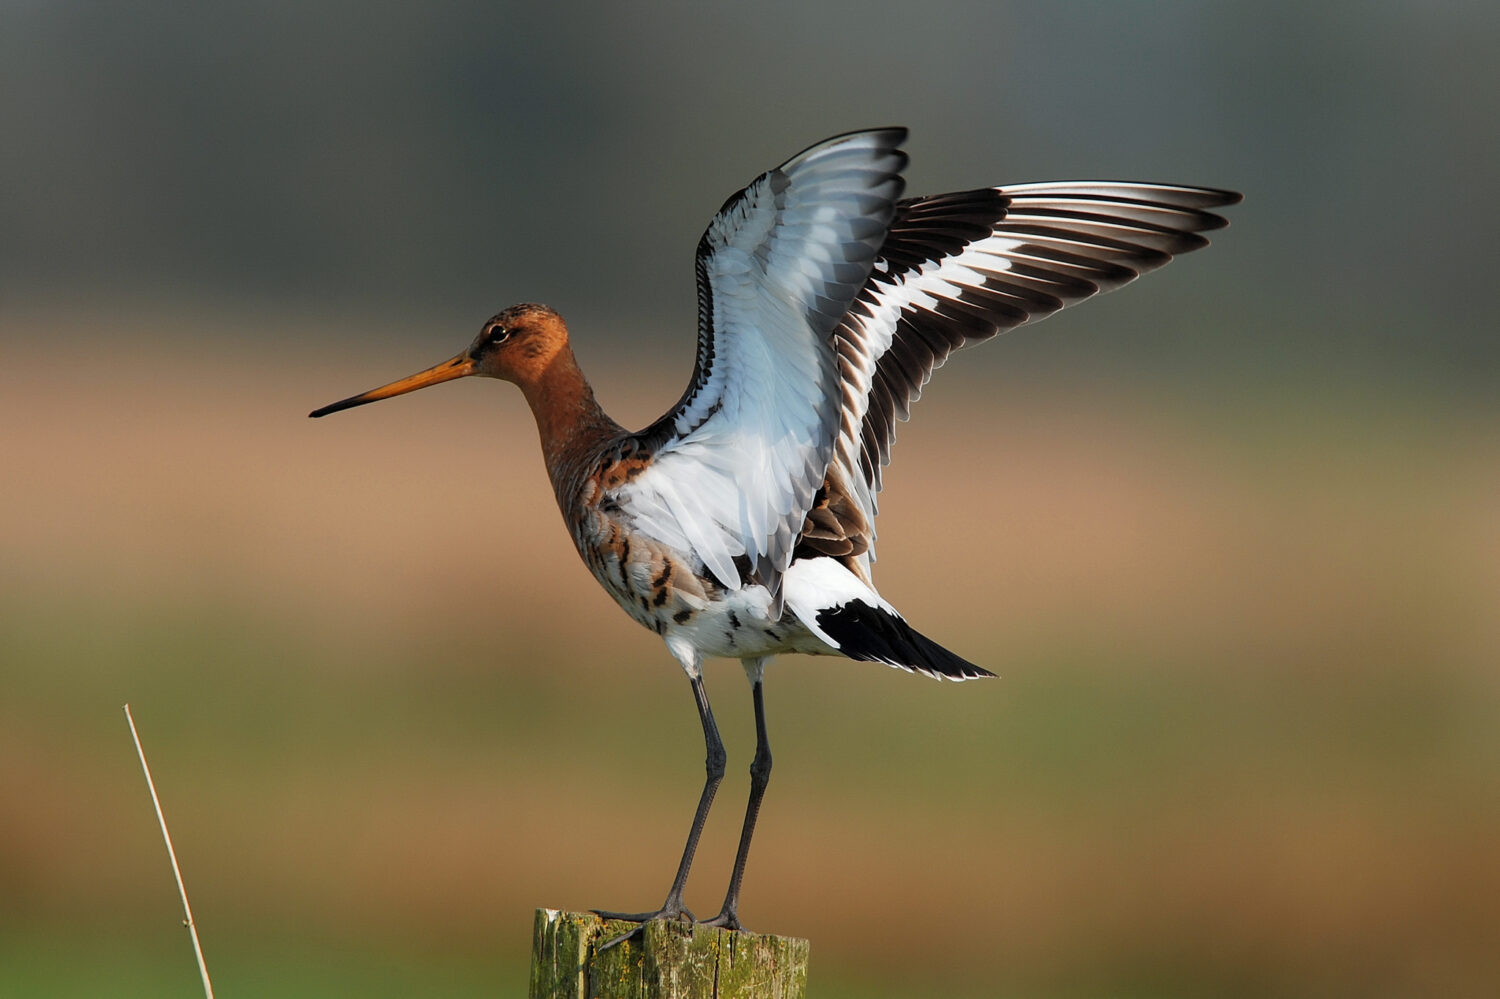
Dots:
(454, 367)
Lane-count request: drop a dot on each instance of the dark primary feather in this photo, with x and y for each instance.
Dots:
(1036, 248)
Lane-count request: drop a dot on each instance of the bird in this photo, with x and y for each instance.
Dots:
(741, 524)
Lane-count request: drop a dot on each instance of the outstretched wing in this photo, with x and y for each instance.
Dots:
(738, 459)
(959, 268)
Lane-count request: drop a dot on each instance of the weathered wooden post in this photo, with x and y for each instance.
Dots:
(666, 960)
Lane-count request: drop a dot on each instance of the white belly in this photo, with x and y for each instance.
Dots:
(738, 626)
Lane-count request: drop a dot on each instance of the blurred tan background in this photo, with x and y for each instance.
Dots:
(1229, 535)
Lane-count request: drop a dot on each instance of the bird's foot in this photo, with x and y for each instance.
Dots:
(674, 909)
(670, 911)
(726, 920)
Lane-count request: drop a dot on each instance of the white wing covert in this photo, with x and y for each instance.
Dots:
(738, 459)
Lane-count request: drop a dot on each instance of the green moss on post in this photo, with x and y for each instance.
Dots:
(667, 960)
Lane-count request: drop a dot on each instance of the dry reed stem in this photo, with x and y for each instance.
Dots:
(208, 989)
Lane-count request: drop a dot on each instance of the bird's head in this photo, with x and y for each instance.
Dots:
(516, 345)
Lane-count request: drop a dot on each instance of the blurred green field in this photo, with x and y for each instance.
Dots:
(1246, 743)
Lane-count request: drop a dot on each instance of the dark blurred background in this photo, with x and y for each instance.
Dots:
(1229, 535)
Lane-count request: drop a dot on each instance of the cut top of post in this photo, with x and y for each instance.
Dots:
(664, 960)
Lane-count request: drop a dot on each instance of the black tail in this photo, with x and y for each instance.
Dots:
(871, 634)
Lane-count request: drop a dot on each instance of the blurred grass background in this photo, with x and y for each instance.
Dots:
(1229, 536)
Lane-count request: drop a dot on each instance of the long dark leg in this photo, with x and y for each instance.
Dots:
(713, 765)
(760, 776)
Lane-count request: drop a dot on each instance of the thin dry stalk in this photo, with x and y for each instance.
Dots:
(187, 911)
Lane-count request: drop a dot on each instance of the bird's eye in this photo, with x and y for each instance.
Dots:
(498, 334)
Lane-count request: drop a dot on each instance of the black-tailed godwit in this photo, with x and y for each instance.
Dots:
(741, 523)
